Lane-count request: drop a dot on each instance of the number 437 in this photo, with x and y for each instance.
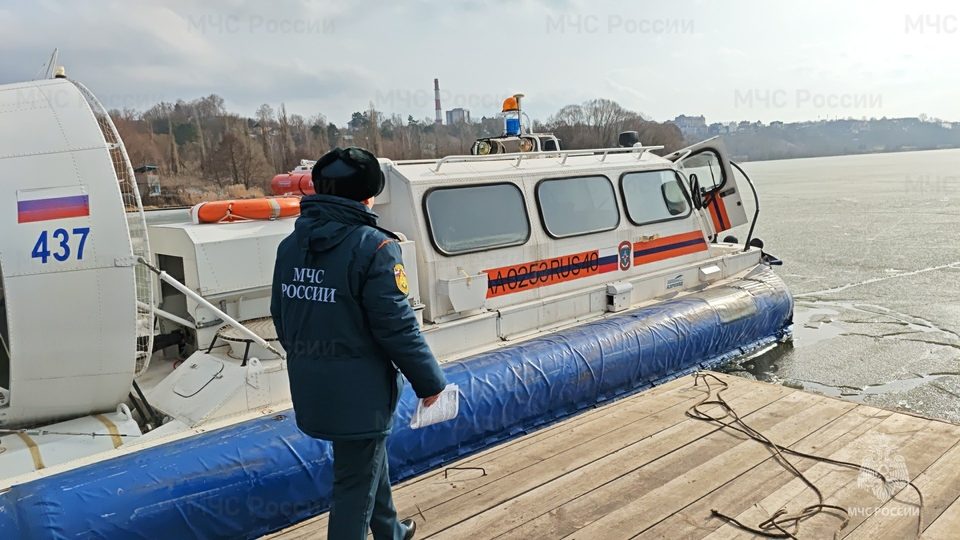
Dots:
(62, 242)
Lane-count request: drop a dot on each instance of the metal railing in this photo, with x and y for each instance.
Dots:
(136, 226)
(564, 154)
(168, 279)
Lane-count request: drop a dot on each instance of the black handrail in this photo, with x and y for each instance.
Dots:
(756, 200)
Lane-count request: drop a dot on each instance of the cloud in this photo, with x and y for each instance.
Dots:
(337, 56)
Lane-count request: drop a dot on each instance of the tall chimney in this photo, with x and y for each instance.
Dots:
(436, 99)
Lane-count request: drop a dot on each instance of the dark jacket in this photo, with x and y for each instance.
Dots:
(341, 311)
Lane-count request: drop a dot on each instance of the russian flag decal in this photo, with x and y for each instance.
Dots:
(52, 203)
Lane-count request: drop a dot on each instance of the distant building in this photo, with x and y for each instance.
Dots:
(776, 124)
(716, 129)
(458, 116)
(691, 126)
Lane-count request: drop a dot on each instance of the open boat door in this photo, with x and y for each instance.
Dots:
(712, 184)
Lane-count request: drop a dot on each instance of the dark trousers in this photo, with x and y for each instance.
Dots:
(361, 492)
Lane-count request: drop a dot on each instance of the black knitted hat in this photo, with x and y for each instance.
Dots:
(353, 173)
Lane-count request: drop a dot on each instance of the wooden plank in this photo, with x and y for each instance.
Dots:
(796, 494)
(582, 428)
(946, 526)
(806, 416)
(666, 395)
(640, 442)
(761, 508)
(940, 486)
(734, 497)
(513, 458)
(568, 502)
(918, 454)
(917, 440)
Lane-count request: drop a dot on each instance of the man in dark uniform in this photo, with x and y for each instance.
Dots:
(341, 311)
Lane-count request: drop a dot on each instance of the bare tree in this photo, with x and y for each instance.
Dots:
(596, 123)
(319, 136)
(373, 130)
(174, 151)
(286, 158)
(265, 119)
(237, 159)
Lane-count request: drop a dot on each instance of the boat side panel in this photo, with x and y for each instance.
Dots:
(544, 267)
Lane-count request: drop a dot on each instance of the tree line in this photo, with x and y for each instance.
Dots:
(202, 149)
(841, 137)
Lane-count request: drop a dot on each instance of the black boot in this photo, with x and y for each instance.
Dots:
(411, 526)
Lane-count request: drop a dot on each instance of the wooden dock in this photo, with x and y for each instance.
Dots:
(641, 468)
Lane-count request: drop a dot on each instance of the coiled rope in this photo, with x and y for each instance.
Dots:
(776, 526)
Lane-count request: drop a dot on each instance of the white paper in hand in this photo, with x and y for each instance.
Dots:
(446, 408)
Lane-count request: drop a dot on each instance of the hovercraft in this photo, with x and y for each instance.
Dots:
(142, 390)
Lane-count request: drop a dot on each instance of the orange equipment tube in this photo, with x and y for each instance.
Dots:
(292, 184)
(245, 210)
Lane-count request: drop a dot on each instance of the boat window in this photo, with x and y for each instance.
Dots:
(653, 196)
(706, 166)
(475, 218)
(4, 339)
(575, 206)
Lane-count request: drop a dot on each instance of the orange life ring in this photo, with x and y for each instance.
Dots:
(245, 209)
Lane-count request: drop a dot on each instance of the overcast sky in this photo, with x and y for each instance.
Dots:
(729, 60)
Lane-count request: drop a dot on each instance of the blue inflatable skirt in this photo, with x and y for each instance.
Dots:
(262, 475)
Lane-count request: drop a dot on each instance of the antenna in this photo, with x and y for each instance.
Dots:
(51, 64)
